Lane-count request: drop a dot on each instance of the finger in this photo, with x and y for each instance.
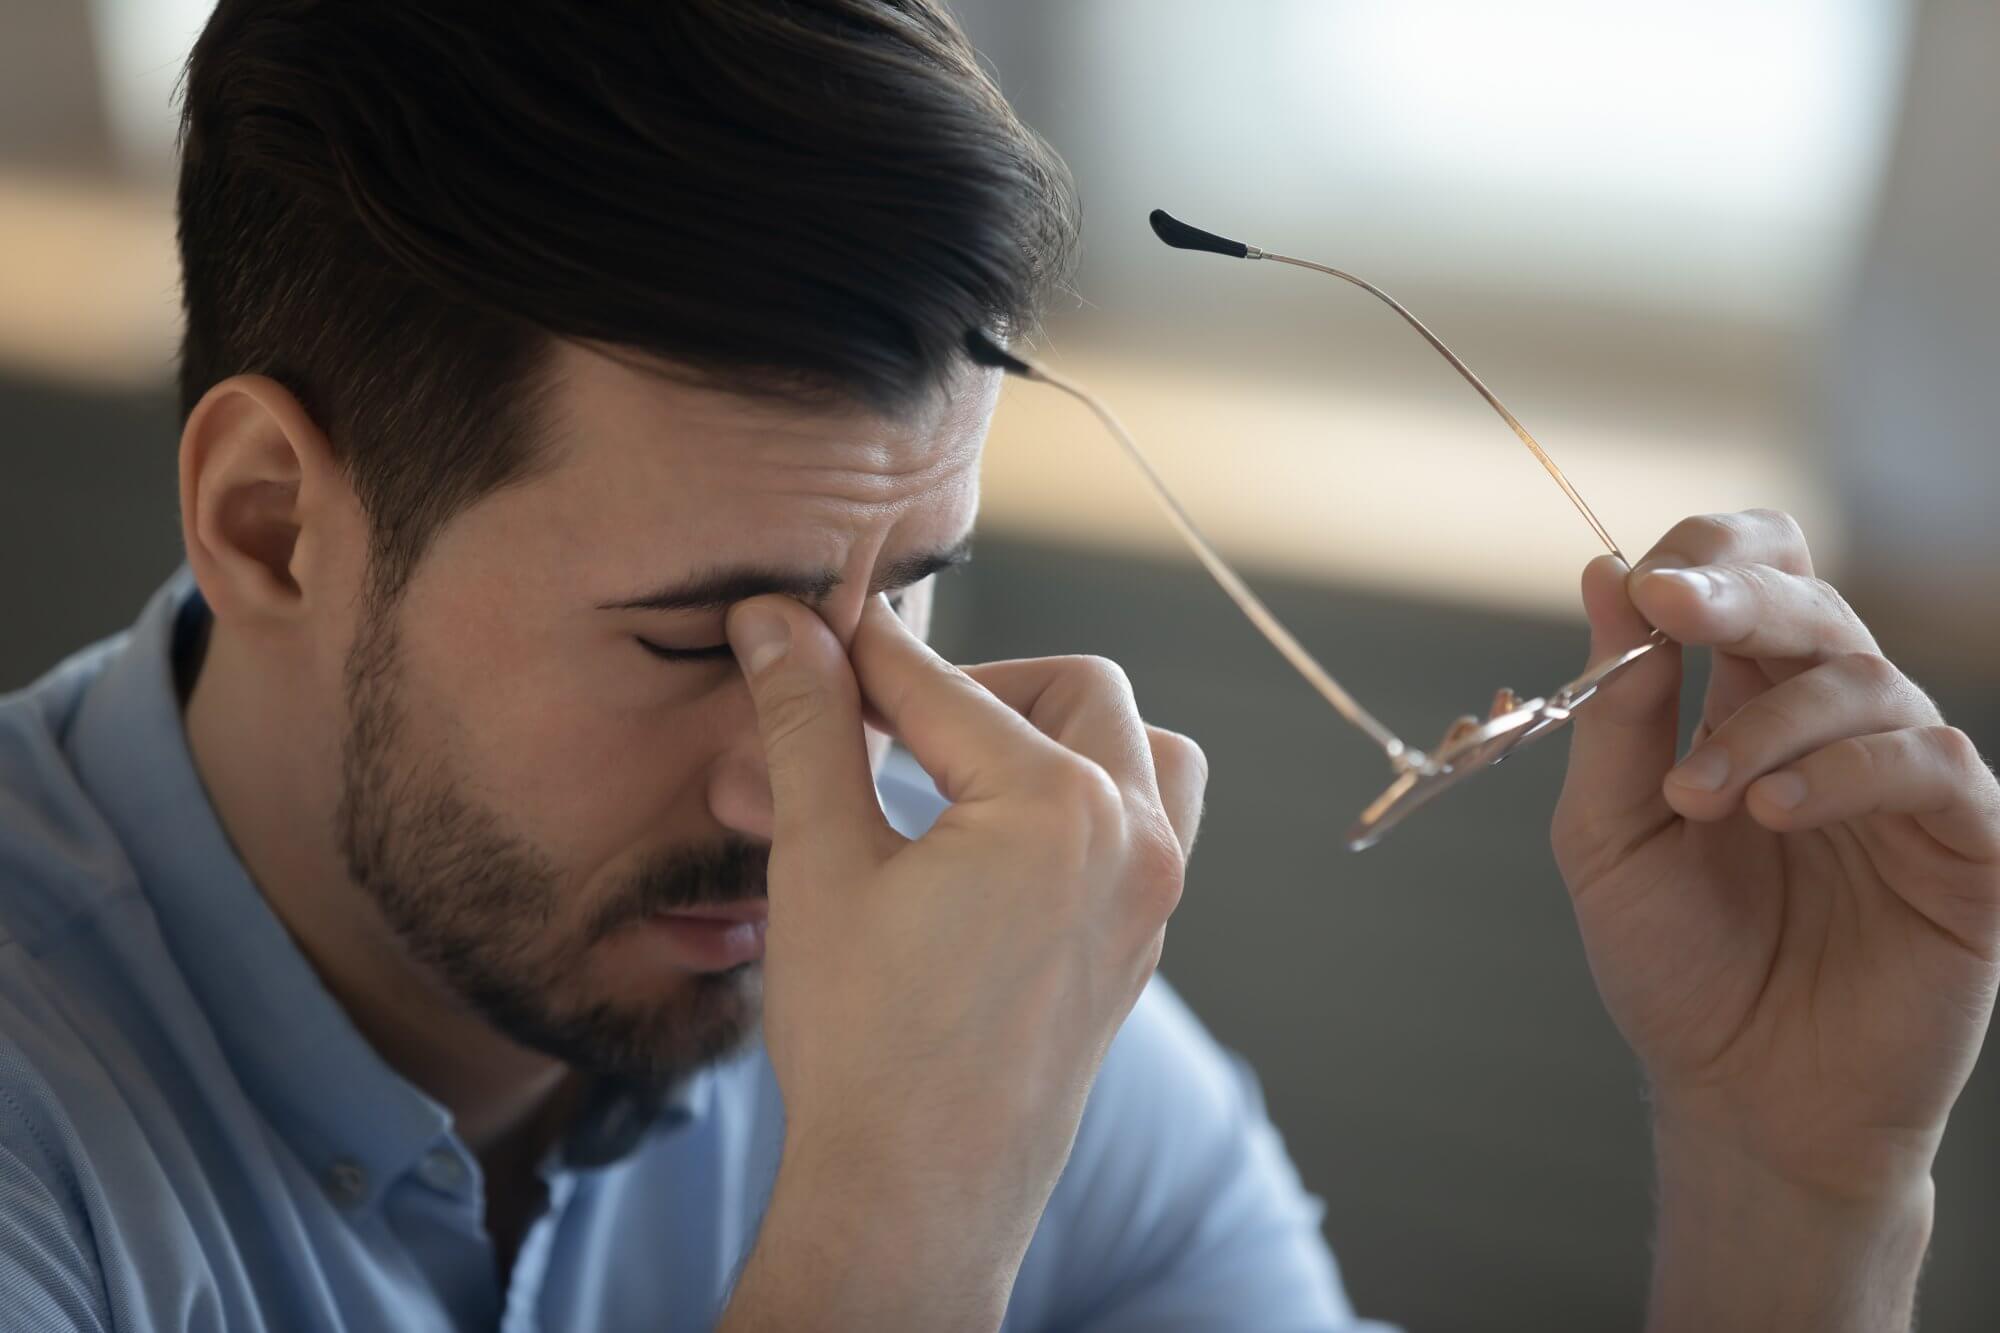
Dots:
(1753, 537)
(1623, 740)
(1182, 771)
(1932, 773)
(1856, 695)
(971, 744)
(1732, 682)
(809, 715)
(1755, 611)
(1084, 704)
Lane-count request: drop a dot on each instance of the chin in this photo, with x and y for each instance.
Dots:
(703, 1018)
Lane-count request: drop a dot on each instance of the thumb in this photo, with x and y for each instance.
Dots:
(809, 716)
(1623, 739)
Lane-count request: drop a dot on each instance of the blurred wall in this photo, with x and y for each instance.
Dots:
(52, 113)
(1910, 402)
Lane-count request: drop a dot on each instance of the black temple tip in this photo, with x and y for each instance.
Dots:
(985, 352)
(1183, 237)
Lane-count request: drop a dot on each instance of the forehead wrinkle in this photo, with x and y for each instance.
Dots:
(840, 498)
(870, 465)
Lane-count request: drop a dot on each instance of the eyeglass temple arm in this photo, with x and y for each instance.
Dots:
(986, 352)
(1184, 237)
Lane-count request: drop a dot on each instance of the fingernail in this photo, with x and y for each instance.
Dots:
(1701, 584)
(1784, 790)
(1704, 770)
(759, 635)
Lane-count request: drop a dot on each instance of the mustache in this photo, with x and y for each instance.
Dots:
(730, 871)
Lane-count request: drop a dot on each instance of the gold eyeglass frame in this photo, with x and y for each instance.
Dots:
(1468, 745)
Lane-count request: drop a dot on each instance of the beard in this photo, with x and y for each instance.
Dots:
(481, 907)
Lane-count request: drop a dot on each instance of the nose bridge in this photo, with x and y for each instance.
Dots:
(739, 781)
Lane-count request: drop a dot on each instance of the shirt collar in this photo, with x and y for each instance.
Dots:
(351, 1119)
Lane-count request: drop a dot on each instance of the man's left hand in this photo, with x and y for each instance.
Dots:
(1796, 927)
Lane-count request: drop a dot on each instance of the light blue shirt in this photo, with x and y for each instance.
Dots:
(193, 1136)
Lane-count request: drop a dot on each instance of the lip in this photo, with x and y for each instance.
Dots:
(714, 937)
(752, 912)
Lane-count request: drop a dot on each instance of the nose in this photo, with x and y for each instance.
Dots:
(739, 783)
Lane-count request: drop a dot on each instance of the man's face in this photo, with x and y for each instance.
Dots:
(527, 783)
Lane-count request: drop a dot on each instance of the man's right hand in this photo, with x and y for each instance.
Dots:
(936, 1010)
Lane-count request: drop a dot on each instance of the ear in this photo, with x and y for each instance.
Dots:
(259, 490)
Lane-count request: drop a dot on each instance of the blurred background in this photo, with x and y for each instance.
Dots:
(1714, 255)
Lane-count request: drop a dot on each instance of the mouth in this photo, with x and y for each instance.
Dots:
(713, 937)
(749, 910)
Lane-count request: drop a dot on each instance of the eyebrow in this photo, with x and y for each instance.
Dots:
(720, 589)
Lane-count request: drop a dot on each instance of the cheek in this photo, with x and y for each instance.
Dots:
(607, 781)
(572, 763)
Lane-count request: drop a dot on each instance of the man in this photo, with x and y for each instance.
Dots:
(389, 916)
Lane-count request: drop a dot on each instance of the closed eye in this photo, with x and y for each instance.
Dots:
(717, 652)
(713, 653)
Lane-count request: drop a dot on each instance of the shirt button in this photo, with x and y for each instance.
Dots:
(347, 1183)
(441, 1170)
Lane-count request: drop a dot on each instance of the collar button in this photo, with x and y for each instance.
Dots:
(441, 1170)
(347, 1183)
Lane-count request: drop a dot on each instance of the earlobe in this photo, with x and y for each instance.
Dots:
(252, 463)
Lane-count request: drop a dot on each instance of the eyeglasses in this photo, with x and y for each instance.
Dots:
(1469, 745)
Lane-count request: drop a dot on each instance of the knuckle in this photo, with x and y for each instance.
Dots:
(1183, 752)
(1869, 669)
(1763, 581)
(1697, 538)
(1955, 748)
(1853, 758)
(1157, 874)
(1085, 803)
(1095, 791)
(1101, 676)
(1782, 525)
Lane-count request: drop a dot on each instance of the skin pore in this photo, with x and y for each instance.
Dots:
(464, 806)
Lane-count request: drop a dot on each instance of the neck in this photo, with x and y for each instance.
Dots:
(500, 1094)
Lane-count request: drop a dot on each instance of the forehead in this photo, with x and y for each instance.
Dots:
(637, 453)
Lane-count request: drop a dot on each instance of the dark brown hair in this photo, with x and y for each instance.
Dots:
(391, 206)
